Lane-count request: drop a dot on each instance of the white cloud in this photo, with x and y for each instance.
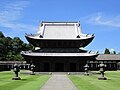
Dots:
(102, 19)
(10, 15)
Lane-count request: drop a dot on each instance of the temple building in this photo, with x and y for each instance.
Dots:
(59, 47)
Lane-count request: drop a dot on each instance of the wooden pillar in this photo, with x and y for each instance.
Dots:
(66, 66)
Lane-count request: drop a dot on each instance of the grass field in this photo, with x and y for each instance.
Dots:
(92, 83)
(35, 82)
(28, 82)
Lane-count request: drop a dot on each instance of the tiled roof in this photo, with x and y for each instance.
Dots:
(27, 53)
(108, 57)
(60, 29)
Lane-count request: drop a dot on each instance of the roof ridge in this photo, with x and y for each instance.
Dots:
(60, 22)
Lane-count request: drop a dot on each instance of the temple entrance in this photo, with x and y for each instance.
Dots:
(46, 67)
(59, 67)
(72, 67)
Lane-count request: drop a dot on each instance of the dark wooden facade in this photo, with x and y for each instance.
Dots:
(59, 64)
(72, 64)
(65, 64)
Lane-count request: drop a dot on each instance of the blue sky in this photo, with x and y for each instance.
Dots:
(101, 17)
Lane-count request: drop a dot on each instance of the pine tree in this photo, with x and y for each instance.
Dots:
(114, 52)
(107, 51)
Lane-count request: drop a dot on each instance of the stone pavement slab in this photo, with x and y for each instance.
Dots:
(59, 82)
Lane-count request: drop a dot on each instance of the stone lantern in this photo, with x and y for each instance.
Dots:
(32, 67)
(16, 69)
(86, 69)
(102, 66)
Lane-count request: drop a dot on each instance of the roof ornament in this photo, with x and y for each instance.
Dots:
(41, 24)
(78, 36)
(92, 34)
(78, 24)
(41, 36)
(87, 35)
(90, 51)
(97, 52)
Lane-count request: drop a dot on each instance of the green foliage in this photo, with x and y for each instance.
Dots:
(107, 51)
(114, 52)
(1, 35)
(10, 48)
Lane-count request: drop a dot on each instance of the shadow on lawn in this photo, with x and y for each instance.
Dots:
(24, 79)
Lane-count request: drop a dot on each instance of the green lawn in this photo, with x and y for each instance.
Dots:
(92, 83)
(28, 82)
(35, 82)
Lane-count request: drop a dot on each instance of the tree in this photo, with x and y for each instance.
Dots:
(107, 51)
(2, 46)
(114, 52)
(26, 47)
(1, 35)
(29, 47)
(10, 48)
(17, 44)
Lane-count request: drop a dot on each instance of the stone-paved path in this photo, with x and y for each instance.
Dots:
(59, 82)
